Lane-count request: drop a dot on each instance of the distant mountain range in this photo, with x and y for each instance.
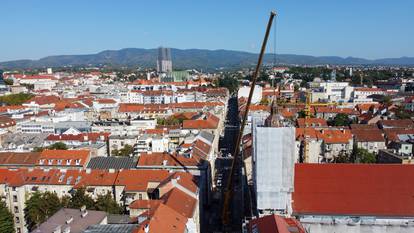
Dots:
(193, 58)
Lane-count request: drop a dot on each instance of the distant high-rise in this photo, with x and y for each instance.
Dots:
(164, 62)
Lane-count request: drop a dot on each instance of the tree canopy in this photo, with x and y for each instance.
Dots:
(54, 146)
(39, 207)
(232, 84)
(6, 219)
(340, 119)
(15, 99)
(108, 204)
(127, 150)
(363, 156)
(79, 199)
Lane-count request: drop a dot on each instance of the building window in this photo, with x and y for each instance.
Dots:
(140, 196)
(17, 220)
(13, 188)
(16, 209)
(18, 230)
(14, 198)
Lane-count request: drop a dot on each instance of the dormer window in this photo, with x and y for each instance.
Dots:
(77, 162)
(68, 161)
(50, 161)
(59, 162)
(41, 162)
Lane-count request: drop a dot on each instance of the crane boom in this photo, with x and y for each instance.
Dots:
(229, 188)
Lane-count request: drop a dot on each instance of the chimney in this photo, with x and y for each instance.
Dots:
(58, 229)
(146, 228)
(85, 137)
(165, 162)
(84, 214)
(69, 220)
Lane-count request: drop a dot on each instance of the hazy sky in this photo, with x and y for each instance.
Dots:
(361, 28)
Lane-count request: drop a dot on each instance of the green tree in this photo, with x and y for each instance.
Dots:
(126, 151)
(65, 201)
(15, 99)
(363, 156)
(6, 219)
(58, 146)
(340, 119)
(108, 204)
(301, 114)
(39, 207)
(38, 149)
(232, 84)
(80, 198)
(8, 82)
(342, 157)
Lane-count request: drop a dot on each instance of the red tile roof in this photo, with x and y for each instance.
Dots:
(311, 122)
(392, 133)
(181, 202)
(403, 123)
(335, 136)
(211, 122)
(275, 224)
(44, 99)
(368, 135)
(354, 189)
(64, 158)
(137, 180)
(157, 159)
(6, 122)
(14, 158)
(145, 204)
(164, 220)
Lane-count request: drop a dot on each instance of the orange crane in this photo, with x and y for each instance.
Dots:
(229, 188)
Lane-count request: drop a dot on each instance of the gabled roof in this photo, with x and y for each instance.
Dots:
(403, 123)
(180, 202)
(15, 158)
(275, 224)
(311, 122)
(137, 180)
(211, 122)
(368, 135)
(64, 157)
(44, 99)
(354, 190)
(158, 159)
(335, 136)
(164, 220)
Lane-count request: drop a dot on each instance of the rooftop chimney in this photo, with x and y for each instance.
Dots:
(58, 229)
(69, 220)
(146, 228)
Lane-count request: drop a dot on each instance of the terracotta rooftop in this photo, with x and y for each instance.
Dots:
(404, 123)
(64, 158)
(164, 220)
(368, 135)
(354, 190)
(311, 122)
(275, 224)
(19, 158)
(158, 159)
(181, 202)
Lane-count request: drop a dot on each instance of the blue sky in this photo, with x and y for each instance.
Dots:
(360, 28)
